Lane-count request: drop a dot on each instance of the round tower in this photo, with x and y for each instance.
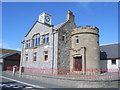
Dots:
(85, 55)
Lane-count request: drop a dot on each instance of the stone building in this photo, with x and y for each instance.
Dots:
(85, 49)
(60, 49)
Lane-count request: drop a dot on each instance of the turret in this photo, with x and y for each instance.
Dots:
(85, 47)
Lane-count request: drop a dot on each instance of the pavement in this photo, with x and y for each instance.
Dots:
(9, 81)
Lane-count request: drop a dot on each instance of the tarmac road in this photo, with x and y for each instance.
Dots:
(9, 81)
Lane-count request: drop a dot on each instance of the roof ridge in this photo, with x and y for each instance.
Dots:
(8, 49)
(60, 25)
(110, 44)
(8, 54)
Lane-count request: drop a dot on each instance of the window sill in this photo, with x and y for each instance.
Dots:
(34, 47)
(43, 44)
(113, 64)
(46, 61)
(33, 61)
(27, 48)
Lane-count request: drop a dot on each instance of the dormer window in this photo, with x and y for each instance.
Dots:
(36, 40)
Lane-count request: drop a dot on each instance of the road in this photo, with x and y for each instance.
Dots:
(6, 83)
(9, 81)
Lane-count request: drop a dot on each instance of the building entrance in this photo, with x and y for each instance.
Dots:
(77, 63)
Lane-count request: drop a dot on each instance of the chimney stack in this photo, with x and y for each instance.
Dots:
(70, 15)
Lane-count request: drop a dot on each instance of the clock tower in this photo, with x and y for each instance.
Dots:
(45, 18)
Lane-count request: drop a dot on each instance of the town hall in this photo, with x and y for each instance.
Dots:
(60, 49)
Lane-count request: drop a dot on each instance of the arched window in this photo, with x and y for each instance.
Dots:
(45, 38)
(36, 40)
(28, 44)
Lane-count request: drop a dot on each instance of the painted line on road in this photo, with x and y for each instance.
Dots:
(36, 86)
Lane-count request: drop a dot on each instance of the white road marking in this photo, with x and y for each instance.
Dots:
(36, 86)
(28, 87)
(12, 85)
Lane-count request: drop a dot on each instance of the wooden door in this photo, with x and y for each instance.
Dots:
(78, 63)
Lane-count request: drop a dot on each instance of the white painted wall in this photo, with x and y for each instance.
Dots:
(107, 64)
(112, 67)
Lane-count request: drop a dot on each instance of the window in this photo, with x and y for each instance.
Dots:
(45, 55)
(36, 40)
(26, 55)
(34, 56)
(63, 38)
(45, 38)
(27, 43)
(77, 39)
(113, 61)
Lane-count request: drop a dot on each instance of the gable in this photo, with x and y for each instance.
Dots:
(37, 28)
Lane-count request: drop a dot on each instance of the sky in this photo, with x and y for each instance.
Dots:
(18, 18)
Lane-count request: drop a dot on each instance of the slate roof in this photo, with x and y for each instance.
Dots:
(110, 51)
(6, 55)
(58, 25)
(8, 52)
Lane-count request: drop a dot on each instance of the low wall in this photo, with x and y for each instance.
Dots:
(72, 82)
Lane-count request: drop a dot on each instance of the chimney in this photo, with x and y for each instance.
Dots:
(70, 15)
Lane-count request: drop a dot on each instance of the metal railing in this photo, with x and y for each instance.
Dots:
(91, 74)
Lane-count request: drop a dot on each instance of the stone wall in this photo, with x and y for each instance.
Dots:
(64, 47)
(88, 47)
(40, 63)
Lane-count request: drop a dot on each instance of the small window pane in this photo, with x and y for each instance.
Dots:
(34, 56)
(63, 38)
(45, 55)
(77, 39)
(114, 61)
(26, 57)
(46, 38)
(45, 52)
(27, 43)
(36, 40)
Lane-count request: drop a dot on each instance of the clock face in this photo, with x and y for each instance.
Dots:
(47, 18)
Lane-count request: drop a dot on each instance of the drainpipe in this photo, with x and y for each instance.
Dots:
(53, 33)
(84, 60)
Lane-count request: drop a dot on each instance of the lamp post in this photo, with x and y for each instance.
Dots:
(21, 61)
